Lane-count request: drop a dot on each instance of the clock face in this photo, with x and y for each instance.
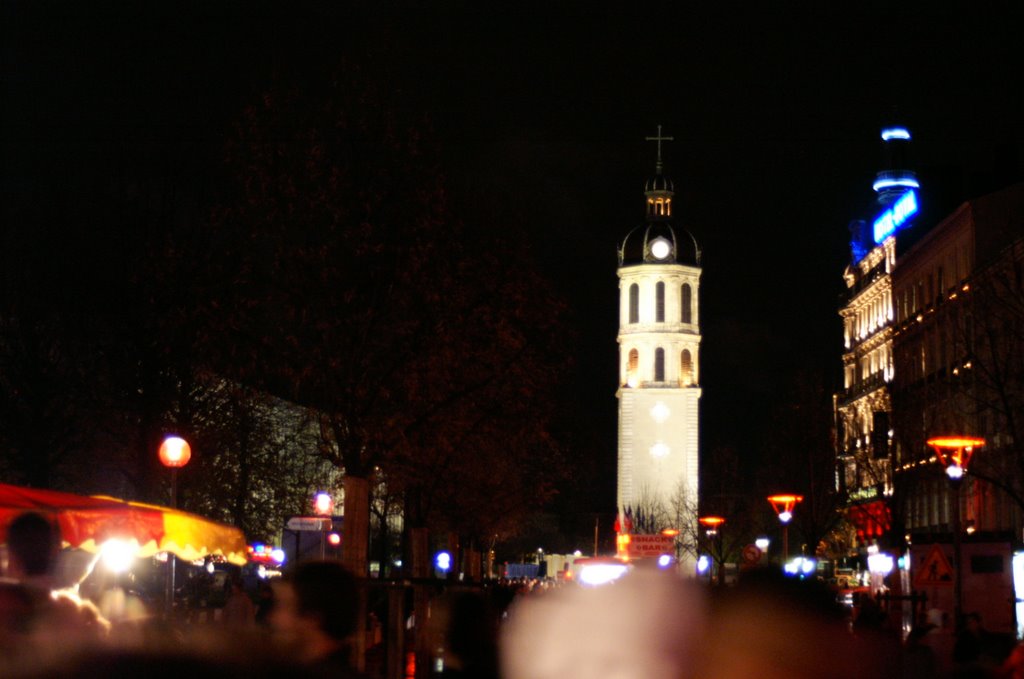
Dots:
(660, 248)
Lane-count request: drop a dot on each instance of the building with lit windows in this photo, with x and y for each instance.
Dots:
(933, 331)
(863, 409)
(659, 357)
(958, 342)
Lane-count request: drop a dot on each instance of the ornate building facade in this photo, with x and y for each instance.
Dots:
(863, 410)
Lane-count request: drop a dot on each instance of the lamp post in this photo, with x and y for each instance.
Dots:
(783, 506)
(174, 453)
(954, 453)
(323, 505)
(711, 525)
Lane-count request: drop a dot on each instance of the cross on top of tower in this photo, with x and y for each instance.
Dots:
(659, 139)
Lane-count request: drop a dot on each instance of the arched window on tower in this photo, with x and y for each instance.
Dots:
(659, 302)
(686, 304)
(659, 365)
(634, 303)
(633, 368)
(685, 368)
(668, 207)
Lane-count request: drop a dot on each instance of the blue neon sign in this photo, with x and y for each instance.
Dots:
(896, 216)
(895, 133)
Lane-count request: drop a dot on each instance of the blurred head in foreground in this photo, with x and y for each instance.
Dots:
(774, 626)
(315, 610)
(643, 625)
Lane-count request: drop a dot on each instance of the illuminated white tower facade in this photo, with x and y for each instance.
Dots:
(659, 357)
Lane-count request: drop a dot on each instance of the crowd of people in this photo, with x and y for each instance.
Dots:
(649, 624)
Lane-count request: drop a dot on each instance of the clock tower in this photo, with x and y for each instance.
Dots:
(659, 362)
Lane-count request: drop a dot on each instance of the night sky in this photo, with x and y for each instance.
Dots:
(541, 115)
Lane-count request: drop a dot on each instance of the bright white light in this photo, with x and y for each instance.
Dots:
(660, 412)
(632, 381)
(895, 133)
(323, 504)
(880, 563)
(443, 560)
(800, 565)
(762, 544)
(955, 472)
(1018, 574)
(118, 555)
(278, 555)
(262, 572)
(703, 563)
(664, 561)
(577, 554)
(891, 182)
(785, 517)
(660, 450)
(660, 248)
(209, 567)
(601, 573)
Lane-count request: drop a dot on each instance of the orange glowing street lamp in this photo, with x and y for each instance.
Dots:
(711, 523)
(954, 453)
(783, 506)
(174, 453)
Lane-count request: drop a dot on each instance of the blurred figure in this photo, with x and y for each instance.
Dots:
(314, 617)
(32, 543)
(643, 626)
(776, 627)
(919, 660)
(1013, 666)
(471, 637)
(239, 611)
(38, 624)
(264, 603)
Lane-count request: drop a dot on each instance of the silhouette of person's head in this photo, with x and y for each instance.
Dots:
(32, 543)
(316, 609)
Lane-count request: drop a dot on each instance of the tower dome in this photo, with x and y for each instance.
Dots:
(658, 242)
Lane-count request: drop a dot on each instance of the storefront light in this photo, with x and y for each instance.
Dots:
(880, 563)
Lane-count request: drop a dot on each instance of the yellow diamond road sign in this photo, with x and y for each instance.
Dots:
(935, 570)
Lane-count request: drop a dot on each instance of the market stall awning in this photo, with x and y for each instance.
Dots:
(88, 522)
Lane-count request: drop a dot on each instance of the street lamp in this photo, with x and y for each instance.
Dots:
(954, 453)
(174, 453)
(711, 525)
(783, 506)
(323, 504)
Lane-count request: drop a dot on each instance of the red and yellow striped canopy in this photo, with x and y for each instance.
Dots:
(86, 522)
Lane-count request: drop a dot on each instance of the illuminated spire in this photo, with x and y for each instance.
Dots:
(895, 177)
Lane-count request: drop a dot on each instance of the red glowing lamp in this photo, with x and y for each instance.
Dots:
(175, 452)
(954, 452)
(323, 504)
(784, 504)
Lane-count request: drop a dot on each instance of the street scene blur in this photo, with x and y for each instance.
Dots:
(411, 340)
